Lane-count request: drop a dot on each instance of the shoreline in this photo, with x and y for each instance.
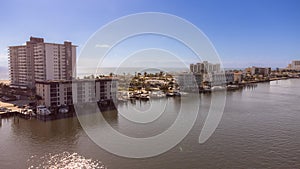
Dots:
(14, 109)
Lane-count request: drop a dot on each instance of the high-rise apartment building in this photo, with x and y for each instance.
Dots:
(41, 61)
(205, 67)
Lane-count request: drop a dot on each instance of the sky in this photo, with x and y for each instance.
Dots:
(244, 32)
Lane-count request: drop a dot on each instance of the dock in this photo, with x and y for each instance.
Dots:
(8, 114)
(12, 113)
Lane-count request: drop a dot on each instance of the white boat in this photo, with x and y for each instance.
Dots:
(183, 93)
(170, 94)
(42, 110)
(144, 96)
(123, 96)
(218, 88)
(158, 94)
(25, 112)
(63, 109)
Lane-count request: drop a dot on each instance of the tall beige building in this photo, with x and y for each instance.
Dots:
(295, 64)
(40, 61)
(205, 67)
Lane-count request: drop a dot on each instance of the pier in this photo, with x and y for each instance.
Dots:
(13, 113)
(6, 114)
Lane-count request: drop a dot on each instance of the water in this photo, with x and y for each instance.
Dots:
(260, 129)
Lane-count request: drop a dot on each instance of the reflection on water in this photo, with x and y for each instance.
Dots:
(45, 132)
(64, 160)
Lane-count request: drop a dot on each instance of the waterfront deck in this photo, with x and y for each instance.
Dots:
(7, 114)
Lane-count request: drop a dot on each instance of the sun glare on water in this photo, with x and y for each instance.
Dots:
(64, 160)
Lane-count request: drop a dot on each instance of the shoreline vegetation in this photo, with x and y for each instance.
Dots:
(140, 86)
(149, 85)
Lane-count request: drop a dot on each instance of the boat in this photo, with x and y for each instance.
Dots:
(175, 93)
(123, 96)
(134, 95)
(63, 109)
(144, 96)
(24, 112)
(131, 96)
(233, 87)
(3, 109)
(218, 88)
(158, 94)
(170, 94)
(183, 93)
(42, 110)
(121, 100)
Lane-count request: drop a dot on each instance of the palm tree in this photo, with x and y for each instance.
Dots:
(161, 73)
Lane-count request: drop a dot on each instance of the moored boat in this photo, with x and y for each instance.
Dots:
(157, 94)
(63, 109)
(42, 110)
(144, 96)
(170, 94)
(218, 88)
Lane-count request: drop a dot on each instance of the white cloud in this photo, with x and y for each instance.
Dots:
(102, 46)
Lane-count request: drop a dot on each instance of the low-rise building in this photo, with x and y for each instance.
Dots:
(189, 81)
(67, 92)
(219, 79)
(264, 71)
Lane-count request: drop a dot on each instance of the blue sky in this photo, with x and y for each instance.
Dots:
(244, 32)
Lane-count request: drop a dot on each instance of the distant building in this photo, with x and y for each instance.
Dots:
(247, 70)
(229, 77)
(205, 67)
(219, 79)
(56, 93)
(238, 77)
(295, 65)
(264, 71)
(189, 81)
(40, 61)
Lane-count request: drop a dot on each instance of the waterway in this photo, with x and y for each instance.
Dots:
(260, 128)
